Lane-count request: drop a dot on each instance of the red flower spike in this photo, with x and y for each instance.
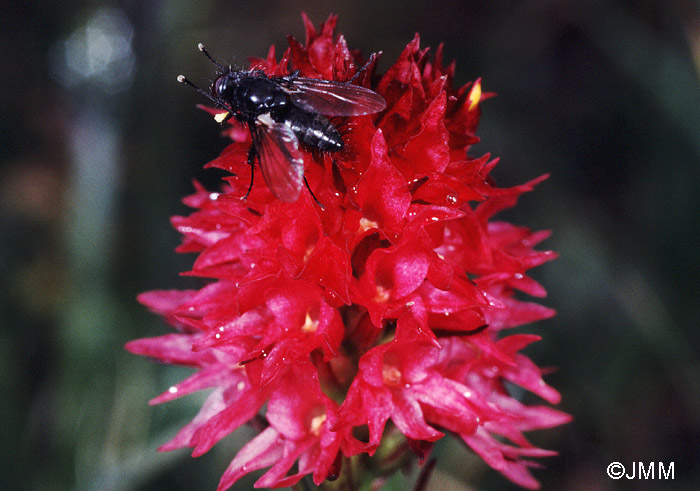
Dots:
(383, 310)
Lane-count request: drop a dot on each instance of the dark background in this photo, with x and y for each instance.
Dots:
(99, 143)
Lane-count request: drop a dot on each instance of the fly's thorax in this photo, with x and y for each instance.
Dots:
(256, 95)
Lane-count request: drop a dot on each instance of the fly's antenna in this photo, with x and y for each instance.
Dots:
(221, 117)
(184, 80)
(203, 49)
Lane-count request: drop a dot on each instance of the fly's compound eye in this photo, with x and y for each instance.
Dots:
(222, 87)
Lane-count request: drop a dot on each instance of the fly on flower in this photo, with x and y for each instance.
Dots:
(280, 112)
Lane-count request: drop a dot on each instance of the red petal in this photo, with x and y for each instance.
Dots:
(428, 150)
(382, 193)
(262, 451)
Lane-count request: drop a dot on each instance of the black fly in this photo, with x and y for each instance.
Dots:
(281, 112)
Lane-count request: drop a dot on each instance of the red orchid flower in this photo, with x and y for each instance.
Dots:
(383, 312)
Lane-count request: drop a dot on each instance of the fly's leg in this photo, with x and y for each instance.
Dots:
(251, 162)
(312, 194)
(372, 57)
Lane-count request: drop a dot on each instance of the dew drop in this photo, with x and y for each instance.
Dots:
(173, 390)
(218, 336)
(451, 198)
(213, 196)
(518, 276)
(241, 385)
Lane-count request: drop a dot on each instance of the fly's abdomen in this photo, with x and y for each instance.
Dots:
(314, 130)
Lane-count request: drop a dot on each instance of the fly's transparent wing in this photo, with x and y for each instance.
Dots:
(281, 160)
(333, 98)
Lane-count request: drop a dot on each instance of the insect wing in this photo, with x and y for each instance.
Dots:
(281, 160)
(334, 98)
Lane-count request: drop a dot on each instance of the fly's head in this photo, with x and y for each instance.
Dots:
(224, 87)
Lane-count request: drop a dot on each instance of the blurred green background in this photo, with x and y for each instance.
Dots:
(99, 143)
